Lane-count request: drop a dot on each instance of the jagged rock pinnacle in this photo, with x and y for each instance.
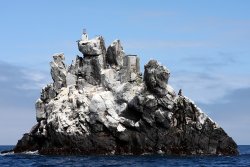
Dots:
(100, 104)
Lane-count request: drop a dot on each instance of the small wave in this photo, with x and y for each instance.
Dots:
(26, 153)
(245, 154)
(8, 153)
(31, 152)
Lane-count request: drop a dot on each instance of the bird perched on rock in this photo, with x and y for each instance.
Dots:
(180, 92)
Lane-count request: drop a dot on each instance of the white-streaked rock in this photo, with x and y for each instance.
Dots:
(115, 54)
(70, 79)
(120, 128)
(91, 47)
(40, 110)
(101, 104)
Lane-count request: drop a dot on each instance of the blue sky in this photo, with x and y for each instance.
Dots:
(205, 44)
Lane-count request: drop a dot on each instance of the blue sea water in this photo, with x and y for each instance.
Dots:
(32, 159)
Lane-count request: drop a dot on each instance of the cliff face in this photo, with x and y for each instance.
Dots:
(101, 104)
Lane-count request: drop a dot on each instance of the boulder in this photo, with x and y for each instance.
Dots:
(40, 110)
(58, 71)
(115, 54)
(93, 47)
(156, 78)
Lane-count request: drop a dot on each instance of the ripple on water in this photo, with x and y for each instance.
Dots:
(33, 159)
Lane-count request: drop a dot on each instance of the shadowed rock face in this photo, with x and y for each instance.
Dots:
(100, 104)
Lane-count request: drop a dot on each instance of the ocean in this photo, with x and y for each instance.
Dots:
(32, 159)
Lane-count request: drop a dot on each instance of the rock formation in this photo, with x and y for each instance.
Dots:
(101, 104)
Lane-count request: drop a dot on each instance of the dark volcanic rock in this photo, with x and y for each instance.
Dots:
(100, 104)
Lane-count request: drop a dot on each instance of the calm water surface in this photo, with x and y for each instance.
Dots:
(32, 159)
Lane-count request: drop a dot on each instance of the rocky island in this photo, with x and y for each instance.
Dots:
(103, 104)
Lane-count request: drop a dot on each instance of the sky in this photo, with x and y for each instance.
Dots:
(204, 44)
